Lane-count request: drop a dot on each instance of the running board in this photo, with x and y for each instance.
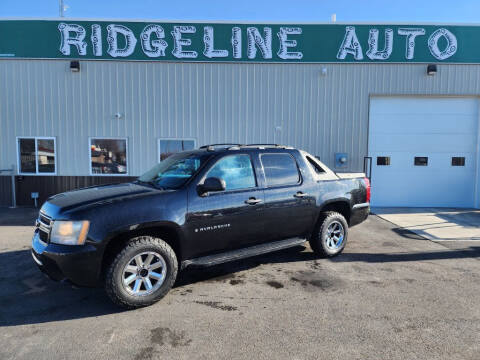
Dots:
(242, 253)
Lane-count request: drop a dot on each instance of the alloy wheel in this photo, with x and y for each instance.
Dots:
(144, 273)
(335, 235)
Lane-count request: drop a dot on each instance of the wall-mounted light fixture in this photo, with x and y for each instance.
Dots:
(431, 69)
(118, 115)
(324, 71)
(75, 66)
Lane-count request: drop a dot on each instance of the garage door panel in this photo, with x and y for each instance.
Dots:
(409, 124)
(437, 128)
(415, 189)
(402, 197)
(421, 143)
(416, 105)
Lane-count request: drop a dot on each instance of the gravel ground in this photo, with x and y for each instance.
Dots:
(390, 295)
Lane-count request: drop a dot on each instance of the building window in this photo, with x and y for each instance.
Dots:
(280, 169)
(421, 161)
(458, 161)
(36, 156)
(236, 170)
(108, 156)
(383, 160)
(167, 147)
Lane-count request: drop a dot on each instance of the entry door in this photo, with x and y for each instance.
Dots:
(423, 151)
(227, 219)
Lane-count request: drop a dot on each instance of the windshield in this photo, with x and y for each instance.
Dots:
(174, 171)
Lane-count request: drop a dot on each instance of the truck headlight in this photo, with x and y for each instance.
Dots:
(69, 232)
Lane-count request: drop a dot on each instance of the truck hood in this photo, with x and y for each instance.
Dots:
(93, 195)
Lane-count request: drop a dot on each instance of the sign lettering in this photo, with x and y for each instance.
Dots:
(310, 43)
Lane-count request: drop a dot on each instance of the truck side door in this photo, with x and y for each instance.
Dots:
(230, 219)
(290, 205)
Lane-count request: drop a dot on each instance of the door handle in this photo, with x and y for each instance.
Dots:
(252, 201)
(300, 195)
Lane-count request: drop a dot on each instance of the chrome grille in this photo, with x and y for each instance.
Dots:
(44, 225)
(44, 219)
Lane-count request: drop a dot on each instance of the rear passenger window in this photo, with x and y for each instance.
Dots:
(318, 169)
(236, 170)
(280, 169)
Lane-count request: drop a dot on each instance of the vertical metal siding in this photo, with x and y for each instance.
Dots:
(47, 186)
(5, 190)
(210, 102)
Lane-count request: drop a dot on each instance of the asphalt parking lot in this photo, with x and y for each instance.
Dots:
(390, 295)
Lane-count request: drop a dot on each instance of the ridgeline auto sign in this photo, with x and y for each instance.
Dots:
(310, 43)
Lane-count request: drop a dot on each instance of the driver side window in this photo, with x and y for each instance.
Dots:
(236, 170)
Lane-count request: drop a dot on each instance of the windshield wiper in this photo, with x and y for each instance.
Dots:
(151, 183)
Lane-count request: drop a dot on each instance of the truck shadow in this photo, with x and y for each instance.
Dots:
(28, 297)
(301, 253)
(227, 270)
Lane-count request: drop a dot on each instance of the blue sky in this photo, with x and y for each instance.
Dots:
(254, 10)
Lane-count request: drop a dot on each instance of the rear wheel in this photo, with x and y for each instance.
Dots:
(330, 236)
(142, 272)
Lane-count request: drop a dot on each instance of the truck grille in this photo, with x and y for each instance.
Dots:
(44, 219)
(44, 225)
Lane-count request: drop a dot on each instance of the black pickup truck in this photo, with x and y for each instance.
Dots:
(195, 208)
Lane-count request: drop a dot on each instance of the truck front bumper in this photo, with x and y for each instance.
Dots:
(79, 264)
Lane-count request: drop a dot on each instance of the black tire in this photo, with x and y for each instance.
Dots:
(319, 241)
(114, 284)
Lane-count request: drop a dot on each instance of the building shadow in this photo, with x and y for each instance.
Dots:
(469, 219)
(20, 216)
(471, 252)
(408, 234)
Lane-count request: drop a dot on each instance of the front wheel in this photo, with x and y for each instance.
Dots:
(142, 272)
(330, 236)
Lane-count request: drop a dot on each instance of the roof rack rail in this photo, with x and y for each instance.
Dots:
(211, 147)
(273, 145)
(233, 146)
(259, 146)
(263, 146)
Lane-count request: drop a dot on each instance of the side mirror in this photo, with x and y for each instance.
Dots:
(212, 184)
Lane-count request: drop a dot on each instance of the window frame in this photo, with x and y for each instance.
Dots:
(217, 160)
(464, 162)
(159, 152)
(300, 177)
(36, 138)
(420, 165)
(389, 161)
(90, 138)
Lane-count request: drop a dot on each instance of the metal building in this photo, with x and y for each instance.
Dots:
(91, 102)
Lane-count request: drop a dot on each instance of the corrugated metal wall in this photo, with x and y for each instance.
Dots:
(291, 104)
(5, 191)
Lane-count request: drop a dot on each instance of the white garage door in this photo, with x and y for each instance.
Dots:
(423, 151)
